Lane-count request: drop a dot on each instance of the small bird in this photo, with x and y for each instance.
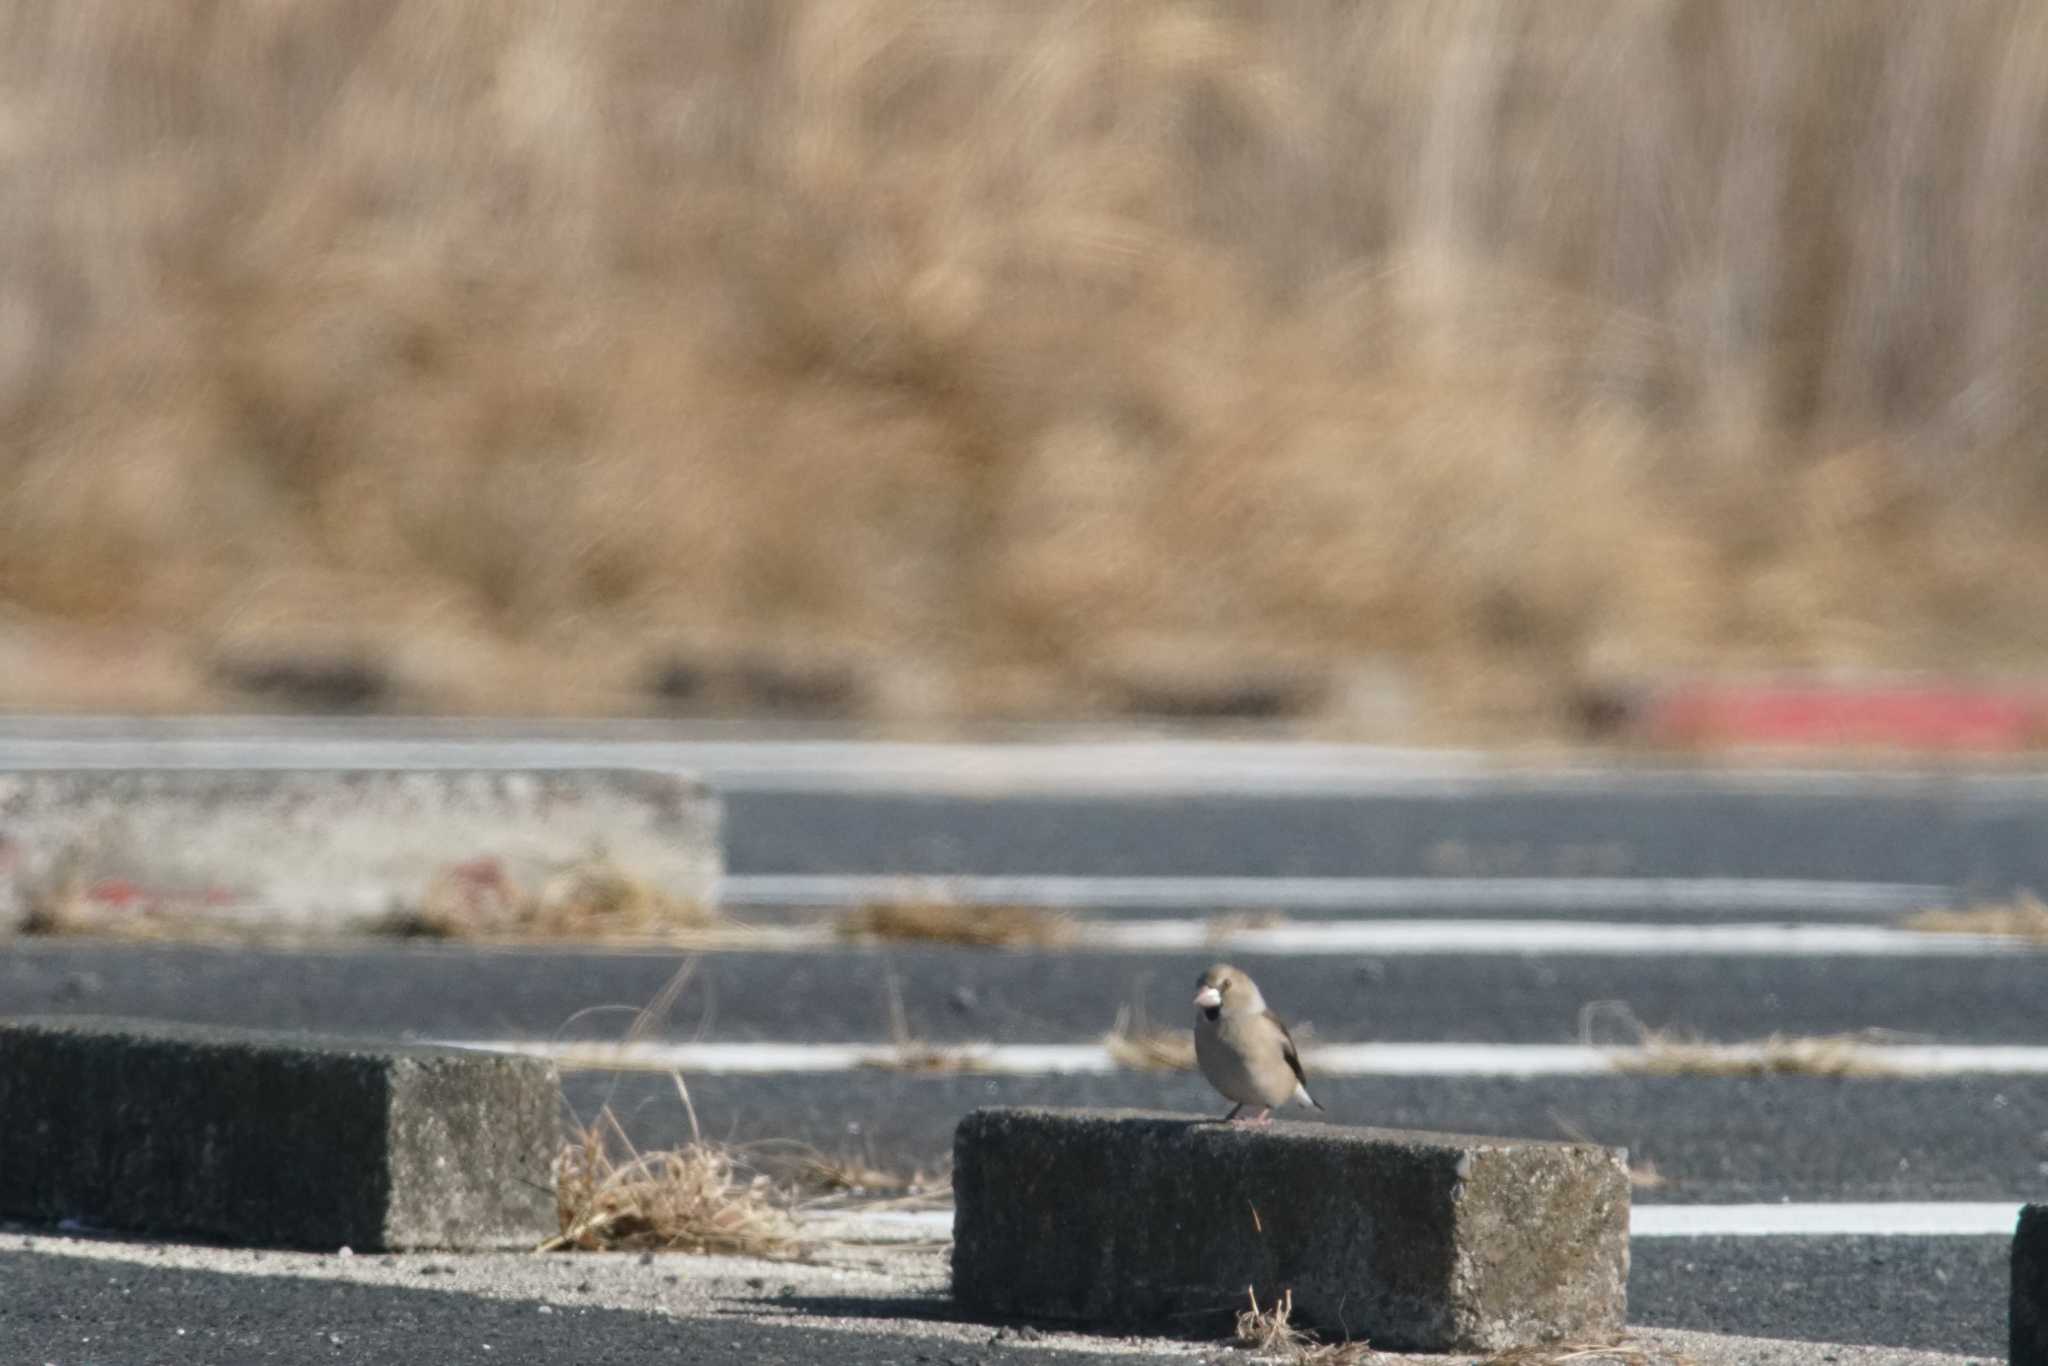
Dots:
(1243, 1048)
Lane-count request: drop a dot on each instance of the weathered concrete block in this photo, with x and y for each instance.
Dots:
(276, 1139)
(1418, 1241)
(311, 850)
(2029, 1316)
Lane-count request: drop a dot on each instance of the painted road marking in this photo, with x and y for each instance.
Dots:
(1905, 1219)
(1533, 895)
(1329, 1060)
(1042, 760)
(1417, 938)
(1902, 1219)
(1390, 937)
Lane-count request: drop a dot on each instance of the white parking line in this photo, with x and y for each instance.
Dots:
(1901, 1220)
(1906, 1219)
(1030, 760)
(1574, 896)
(1328, 1060)
(1444, 937)
(1390, 937)
(1112, 765)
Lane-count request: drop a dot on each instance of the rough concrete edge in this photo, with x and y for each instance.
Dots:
(676, 800)
(411, 1073)
(1595, 1178)
(2027, 1307)
(513, 1113)
(1590, 1302)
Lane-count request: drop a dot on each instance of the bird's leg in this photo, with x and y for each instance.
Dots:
(1232, 1116)
(1264, 1116)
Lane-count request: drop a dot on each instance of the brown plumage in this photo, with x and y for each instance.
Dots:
(1243, 1048)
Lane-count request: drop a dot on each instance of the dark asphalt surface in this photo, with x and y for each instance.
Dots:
(956, 995)
(1939, 1293)
(1969, 835)
(79, 1312)
(1718, 1139)
(1711, 1139)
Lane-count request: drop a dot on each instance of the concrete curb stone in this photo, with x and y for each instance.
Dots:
(1412, 1241)
(275, 1139)
(2029, 1320)
(321, 850)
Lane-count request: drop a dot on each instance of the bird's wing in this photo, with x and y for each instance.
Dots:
(1287, 1047)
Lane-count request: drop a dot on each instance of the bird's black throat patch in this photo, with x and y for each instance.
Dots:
(1212, 1012)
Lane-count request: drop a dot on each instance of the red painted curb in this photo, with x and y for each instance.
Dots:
(1909, 716)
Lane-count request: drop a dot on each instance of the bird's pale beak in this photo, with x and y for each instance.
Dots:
(1208, 998)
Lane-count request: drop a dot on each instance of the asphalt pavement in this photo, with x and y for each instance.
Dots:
(1980, 835)
(1698, 1140)
(87, 1301)
(954, 996)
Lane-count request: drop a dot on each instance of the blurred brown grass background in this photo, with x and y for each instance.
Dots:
(1002, 352)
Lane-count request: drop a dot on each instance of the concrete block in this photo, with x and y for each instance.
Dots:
(1415, 1241)
(275, 1139)
(2029, 1316)
(324, 850)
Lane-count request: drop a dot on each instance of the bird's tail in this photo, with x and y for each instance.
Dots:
(1302, 1097)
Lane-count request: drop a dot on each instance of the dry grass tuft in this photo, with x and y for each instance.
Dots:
(708, 1197)
(1134, 1044)
(703, 1197)
(908, 1053)
(1642, 1175)
(61, 915)
(58, 906)
(1269, 1333)
(66, 902)
(1220, 928)
(838, 1184)
(846, 1176)
(698, 1198)
(1622, 1353)
(1841, 1055)
(2024, 917)
(596, 898)
(937, 921)
(590, 899)
(1656, 1052)
(933, 1058)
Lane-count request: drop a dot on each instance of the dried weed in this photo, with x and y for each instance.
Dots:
(1642, 1175)
(2023, 918)
(1133, 1043)
(934, 1059)
(1655, 1052)
(701, 1198)
(908, 1053)
(1221, 928)
(592, 899)
(1269, 1333)
(938, 921)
